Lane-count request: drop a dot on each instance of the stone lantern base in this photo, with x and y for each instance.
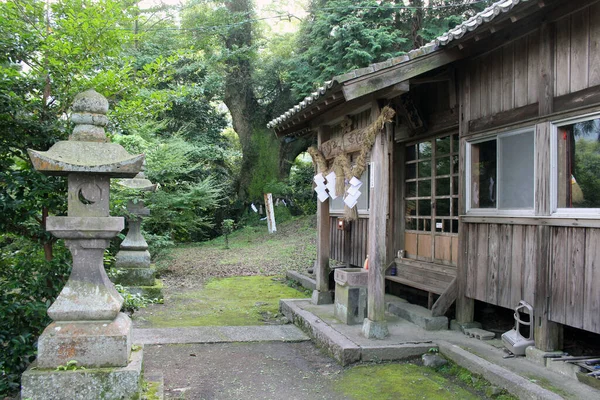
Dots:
(84, 384)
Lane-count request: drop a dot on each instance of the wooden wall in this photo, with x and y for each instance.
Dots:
(501, 269)
(355, 239)
(508, 77)
(577, 50)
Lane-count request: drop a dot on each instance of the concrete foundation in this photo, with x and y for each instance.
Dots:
(84, 384)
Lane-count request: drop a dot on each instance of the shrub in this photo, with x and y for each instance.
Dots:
(28, 286)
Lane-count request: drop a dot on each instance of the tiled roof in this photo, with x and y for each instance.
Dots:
(457, 32)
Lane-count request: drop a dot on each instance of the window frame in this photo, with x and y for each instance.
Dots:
(566, 212)
(498, 211)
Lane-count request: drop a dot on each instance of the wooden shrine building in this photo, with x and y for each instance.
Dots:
(485, 185)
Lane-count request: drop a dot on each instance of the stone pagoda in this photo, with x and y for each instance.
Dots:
(88, 329)
(133, 262)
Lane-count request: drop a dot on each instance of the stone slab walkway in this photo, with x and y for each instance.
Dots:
(219, 334)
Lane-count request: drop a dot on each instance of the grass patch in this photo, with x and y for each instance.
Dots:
(398, 381)
(412, 381)
(235, 301)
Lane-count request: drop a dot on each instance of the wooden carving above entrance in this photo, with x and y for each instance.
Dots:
(346, 143)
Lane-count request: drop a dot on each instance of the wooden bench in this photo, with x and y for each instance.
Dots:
(433, 278)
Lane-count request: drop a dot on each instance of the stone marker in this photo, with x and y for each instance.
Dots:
(133, 261)
(88, 327)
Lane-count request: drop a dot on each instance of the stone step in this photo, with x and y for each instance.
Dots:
(418, 315)
(306, 281)
(480, 334)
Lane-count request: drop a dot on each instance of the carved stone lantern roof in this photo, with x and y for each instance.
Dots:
(88, 149)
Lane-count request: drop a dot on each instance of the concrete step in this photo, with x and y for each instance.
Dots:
(480, 334)
(418, 315)
(306, 281)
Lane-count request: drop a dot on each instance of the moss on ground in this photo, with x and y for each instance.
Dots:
(398, 381)
(412, 381)
(235, 301)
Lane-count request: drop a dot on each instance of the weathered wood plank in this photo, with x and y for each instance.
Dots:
(443, 248)
(492, 280)
(482, 262)
(533, 67)
(581, 98)
(517, 266)
(546, 69)
(530, 265)
(591, 303)
(399, 73)
(378, 211)
(594, 59)
(558, 283)
(562, 81)
(455, 250)
(445, 300)
(504, 118)
(508, 83)
(575, 277)
(424, 244)
(579, 51)
(465, 305)
(475, 86)
(504, 265)
(547, 334)
(410, 244)
(542, 168)
(472, 270)
(521, 72)
(496, 84)
(485, 85)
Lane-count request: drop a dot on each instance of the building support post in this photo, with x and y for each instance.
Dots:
(375, 325)
(322, 295)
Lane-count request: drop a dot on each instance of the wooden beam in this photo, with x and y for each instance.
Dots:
(375, 325)
(581, 98)
(542, 156)
(387, 77)
(445, 300)
(508, 117)
(465, 306)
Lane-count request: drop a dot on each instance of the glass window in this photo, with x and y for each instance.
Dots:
(431, 185)
(578, 164)
(501, 172)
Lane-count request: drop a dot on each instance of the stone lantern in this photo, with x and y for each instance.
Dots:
(133, 261)
(88, 329)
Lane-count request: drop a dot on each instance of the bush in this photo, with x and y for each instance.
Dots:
(28, 286)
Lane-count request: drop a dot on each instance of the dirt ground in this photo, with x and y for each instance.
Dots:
(243, 371)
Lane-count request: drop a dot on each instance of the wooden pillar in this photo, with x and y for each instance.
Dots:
(375, 325)
(465, 306)
(547, 334)
(321, 294)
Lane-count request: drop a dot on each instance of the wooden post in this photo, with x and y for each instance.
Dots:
(375, 325)
(546, 65)
(548, 335)
(465, 306)
(321, 294)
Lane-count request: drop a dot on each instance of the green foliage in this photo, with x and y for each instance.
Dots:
(71, 365)
(134, 301)
(342, 35)
(226, 230)
(28, 285)
(304, 199)
(266, 167)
